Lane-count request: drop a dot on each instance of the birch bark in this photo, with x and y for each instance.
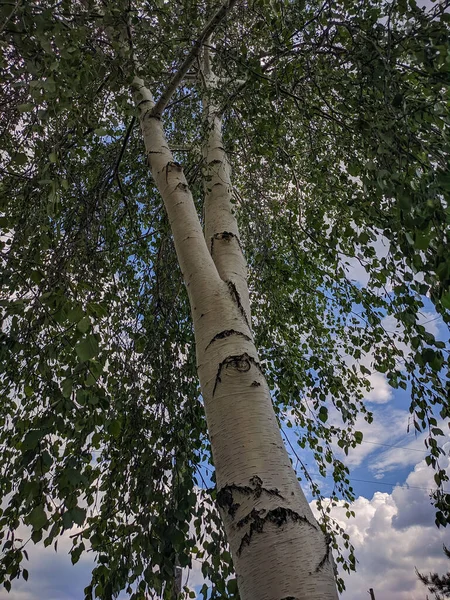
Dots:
(279, 551)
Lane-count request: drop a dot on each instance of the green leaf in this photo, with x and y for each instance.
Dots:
(437, 431)
(232, 587)
(67, 520)
(66, 387)
(87, 348)
(27, 107)
(76, 553)
(75, 314)
(78, 515)
(20, 158)
(84, 324)
(446, 300)
(32, 439)
(358, 437)
(114, 428)
(37, 518)
(323, 414)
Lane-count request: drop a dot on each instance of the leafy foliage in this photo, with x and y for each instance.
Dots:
(437, 584)
(338, 139)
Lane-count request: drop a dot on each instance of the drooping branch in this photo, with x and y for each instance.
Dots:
(191, 57)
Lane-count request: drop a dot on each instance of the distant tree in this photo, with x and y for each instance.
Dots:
(439, 585)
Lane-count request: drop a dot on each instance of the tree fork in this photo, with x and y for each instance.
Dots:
(274, 555)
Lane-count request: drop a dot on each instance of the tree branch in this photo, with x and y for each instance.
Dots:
(209, 28)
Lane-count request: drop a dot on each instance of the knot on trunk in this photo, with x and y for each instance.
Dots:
(224, 235)
(241, 362)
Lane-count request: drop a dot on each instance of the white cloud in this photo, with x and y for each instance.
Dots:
(381, 391)
(393, 534)
(394, 458)
(51, 574)
(389, 426)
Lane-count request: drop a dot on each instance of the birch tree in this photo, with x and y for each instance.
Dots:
(183, 188)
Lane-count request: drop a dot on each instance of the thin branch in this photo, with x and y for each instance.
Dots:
(124, 145)
(209, 28)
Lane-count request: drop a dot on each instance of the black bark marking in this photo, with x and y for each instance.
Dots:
(258, 518)
(290, 598)
(326, 556)
(227, 333)
(172, 165)
(255, 384)
(225, 498)
(227, 236)
(259, 489)
(236, 297)
(241, 362)
(183, 186)
(324, 560)
(216, 161)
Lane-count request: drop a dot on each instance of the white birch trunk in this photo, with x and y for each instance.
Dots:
(279, 551)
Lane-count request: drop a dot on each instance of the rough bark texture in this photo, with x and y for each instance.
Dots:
(279, 551)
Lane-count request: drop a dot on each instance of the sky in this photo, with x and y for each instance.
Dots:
(393, 530)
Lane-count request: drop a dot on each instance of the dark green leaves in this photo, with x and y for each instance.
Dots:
(87, 348)
(358, 437)
(323, 414)
(37, 518)
(74, 516)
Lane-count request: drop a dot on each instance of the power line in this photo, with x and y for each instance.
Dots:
(392, 446)
(403, 485)
(380, 444)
